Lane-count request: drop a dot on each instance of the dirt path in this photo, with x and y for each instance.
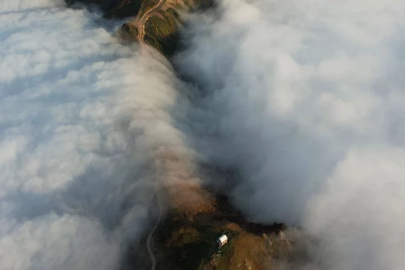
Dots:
(145, 17)
(152, 232)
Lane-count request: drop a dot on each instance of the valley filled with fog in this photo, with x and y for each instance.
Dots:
(303, 99)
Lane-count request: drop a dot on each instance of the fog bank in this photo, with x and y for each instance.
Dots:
(305, 99)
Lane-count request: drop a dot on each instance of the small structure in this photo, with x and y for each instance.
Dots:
(222, 240)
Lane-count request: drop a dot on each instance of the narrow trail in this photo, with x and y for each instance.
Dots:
(145, 17)
(152, 232)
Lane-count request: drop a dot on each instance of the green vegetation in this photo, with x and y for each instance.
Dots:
(189, 243)
(186, 244)
(161, 28)
(162, 32)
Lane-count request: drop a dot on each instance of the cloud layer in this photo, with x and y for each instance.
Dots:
(81, 119)
(305, 99)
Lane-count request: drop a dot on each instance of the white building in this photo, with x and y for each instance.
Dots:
(222, 240)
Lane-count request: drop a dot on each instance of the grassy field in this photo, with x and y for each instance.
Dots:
(162, 32)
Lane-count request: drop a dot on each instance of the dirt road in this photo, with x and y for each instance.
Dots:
(145, 17)
(152, 232)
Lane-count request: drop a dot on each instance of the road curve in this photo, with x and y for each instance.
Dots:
(145, 17)
(150, 236)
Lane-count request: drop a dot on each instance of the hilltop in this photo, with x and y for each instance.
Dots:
(155, 22)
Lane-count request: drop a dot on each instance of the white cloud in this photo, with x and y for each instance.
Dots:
(359, 216)
(55, 242)
(17, 5)
(81, 119)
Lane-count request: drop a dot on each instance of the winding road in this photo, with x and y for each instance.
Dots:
(152, 232)
(145, 17)
(141, 39)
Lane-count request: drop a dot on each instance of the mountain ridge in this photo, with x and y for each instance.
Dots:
(185, 238)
